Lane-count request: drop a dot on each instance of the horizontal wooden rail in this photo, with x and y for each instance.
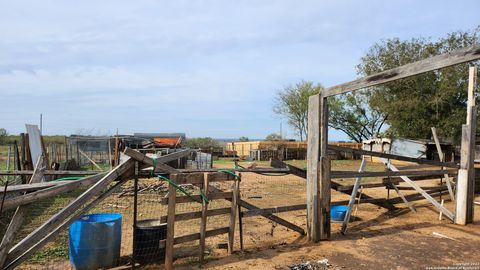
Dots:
(433, 63)
(392, 156)
(273, 210)
(211, 196)
(198, 214)
(195, 236)
(352, 174)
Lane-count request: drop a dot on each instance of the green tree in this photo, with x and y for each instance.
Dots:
(292, 103)
(416, 104)
(201, 143)
(352, 114)
(243, 139)
(274, 137)
(3, 135)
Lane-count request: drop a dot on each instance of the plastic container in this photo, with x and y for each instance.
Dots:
(94, 241)
(337, 212)
(148, 234)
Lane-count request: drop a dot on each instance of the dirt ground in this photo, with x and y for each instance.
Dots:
(377, 239)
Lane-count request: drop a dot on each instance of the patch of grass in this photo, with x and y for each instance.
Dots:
(56, 252)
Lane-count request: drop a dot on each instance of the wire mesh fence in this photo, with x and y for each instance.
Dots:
(142, 244)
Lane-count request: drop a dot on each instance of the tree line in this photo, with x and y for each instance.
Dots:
(404, 108)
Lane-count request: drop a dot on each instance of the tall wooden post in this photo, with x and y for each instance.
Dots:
(466, 173)
(318, 170)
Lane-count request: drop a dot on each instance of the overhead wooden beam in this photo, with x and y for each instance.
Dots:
(433, 63)
(392, 156)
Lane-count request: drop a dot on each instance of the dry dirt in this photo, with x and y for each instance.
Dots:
(377, 239)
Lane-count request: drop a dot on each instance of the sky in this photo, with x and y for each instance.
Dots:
(206, 68)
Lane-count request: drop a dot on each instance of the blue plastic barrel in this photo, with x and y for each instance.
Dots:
(94, 241)
(337, 212)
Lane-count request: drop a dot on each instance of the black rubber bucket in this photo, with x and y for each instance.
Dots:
(148, 234)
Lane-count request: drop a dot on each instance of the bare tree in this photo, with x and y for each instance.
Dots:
(292, 103)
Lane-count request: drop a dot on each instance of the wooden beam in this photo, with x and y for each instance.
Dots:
(53, 222)
(51, 191)
(13, 263)
(50, 172)
(273, 210)
(233, 215)
(203, 220)
(160, 166)
(197, 214)
(433, 63)
(273, 218)
(392, 156)
(170, 227)
(313, 170)
(445, 211)
(19, 215)
(244, 204)
(441, 156)
(351, 174)
(343, 189)
(91, 160)
(198, 198)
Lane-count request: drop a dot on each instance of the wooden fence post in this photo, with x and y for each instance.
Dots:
(466, 174)
(318, 170)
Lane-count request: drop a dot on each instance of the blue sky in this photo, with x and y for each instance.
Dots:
(207, 68)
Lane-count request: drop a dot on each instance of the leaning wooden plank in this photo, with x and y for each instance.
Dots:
(25, 254)
(160, 166)
(50, 172)
(273, 218)
(351, 174)
(273, 210)
(41, 231)
(51, 191)
(433, 63)
(400, 195)
(19, 216)
(89, 159)
(441, 156)
(445, 211)
(353, 197)
(392, 156)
